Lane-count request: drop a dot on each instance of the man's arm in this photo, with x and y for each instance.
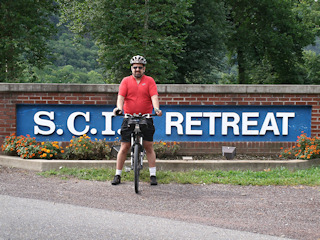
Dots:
(119, 108)
(156, 106)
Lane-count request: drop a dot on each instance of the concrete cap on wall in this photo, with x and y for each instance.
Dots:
(162, 88)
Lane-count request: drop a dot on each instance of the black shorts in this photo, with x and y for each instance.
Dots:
(147, 130)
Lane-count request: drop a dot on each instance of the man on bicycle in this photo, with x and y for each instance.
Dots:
(137, 94)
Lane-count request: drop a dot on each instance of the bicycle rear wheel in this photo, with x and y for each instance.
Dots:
(136, 167)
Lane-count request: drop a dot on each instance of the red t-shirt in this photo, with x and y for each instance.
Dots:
(137, 97)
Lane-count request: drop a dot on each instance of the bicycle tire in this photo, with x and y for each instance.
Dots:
(136, 167)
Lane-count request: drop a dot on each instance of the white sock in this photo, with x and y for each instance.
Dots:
(153, 171)
(118, 172)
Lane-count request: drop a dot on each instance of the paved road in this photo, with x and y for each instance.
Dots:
(34, 207)
(22, 218)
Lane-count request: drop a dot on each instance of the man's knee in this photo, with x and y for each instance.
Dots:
(148, 146)
(124, 147)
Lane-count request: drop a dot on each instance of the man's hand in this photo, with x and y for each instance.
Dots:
(117, 111)
(158, 112)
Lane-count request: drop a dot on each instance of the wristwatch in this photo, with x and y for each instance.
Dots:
(156, 109)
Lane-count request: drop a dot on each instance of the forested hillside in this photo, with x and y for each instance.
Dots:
(72, 61)
(191, 41)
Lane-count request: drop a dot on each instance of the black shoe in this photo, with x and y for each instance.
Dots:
(153, 180)
(116, 180)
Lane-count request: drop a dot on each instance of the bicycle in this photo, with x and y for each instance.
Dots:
(137, 121)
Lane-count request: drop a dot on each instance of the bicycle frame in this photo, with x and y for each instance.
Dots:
(137, 139)
(137, 150)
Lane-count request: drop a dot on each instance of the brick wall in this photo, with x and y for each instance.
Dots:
(12, 94)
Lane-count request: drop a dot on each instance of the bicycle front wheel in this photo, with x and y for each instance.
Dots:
(136, 167)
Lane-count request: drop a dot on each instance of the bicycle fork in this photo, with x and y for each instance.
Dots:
(142, 152)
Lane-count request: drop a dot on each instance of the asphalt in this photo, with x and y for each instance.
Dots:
(173, 165)
(30, 218)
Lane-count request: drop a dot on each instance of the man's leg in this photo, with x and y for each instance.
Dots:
(151, 156)
(121, 158)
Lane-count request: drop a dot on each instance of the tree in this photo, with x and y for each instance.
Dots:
(270, 33)
(312, 67)
(25, 27)
(124, 28)
(204, 50)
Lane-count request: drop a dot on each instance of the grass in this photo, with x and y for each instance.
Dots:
(278, 176)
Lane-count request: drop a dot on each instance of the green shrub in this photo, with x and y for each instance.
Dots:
(101, 149)
(79, 148)
(50, 150)
(9, 145)
(306, 148)
(166, 149)
(27, 147)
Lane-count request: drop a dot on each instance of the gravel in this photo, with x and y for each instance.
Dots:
(284, 211)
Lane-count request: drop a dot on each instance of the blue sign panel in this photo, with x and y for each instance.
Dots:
(178, 123)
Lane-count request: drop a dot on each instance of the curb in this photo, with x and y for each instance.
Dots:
(173, 165)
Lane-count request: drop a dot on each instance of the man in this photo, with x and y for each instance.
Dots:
(137, 94)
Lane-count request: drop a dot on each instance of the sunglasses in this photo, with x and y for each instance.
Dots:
(137, 67)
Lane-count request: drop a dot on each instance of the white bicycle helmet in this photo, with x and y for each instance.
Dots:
(138, 59)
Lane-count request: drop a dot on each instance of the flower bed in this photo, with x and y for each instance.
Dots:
(78, 148)
(306, 148)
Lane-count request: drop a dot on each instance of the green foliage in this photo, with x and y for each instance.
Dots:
(101, 149)
(270, 34)
(315, 47)
(311, 67)
(204, 50)
(278, 176)
(81, 54)
(166, 149)
(124, 28)
(9, 145)
(84, 148)
(27, 147)
(67, 74)
(306, 148)
(72, 61)
(183, 41)
(50, 150)
(25, 27)
(79, 148)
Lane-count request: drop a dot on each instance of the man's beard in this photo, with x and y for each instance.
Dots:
(137, 74)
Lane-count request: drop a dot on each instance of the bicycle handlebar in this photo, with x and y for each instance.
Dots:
(128, 115)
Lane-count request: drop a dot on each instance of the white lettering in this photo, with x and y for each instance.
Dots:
(108, 123)
(44, 123)
(230, 121)
(71, 119)
(212, 120)
(270, 118)
(285, 121)
(246, 123)
(190, 123)
(170, 123)
(233, 124)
